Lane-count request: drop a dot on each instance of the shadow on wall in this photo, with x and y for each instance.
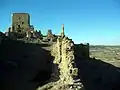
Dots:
(98, 75)
(82, 50)
(23, 66)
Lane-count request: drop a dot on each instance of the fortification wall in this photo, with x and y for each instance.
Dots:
(82, 50)
(64, 70)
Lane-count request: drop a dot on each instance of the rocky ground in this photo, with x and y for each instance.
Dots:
(110, 54)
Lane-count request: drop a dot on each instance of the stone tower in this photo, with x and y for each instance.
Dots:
(20, 22)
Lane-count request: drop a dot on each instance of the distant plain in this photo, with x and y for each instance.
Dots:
(109, 54)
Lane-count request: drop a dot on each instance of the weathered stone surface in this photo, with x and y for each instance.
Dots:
(21, 21)
(64, 72)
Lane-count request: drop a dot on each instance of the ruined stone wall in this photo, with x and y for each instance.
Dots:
(64, 56)
(64, 71)
(82, 50)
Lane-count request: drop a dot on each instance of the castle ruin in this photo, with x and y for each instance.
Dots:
(21, 29)
(60, 46)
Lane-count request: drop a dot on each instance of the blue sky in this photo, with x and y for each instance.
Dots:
(93, 21)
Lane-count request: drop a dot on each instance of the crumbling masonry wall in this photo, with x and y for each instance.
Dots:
(64, 71)
(64, 57)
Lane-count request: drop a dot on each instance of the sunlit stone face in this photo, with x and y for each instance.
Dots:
(20, 20)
